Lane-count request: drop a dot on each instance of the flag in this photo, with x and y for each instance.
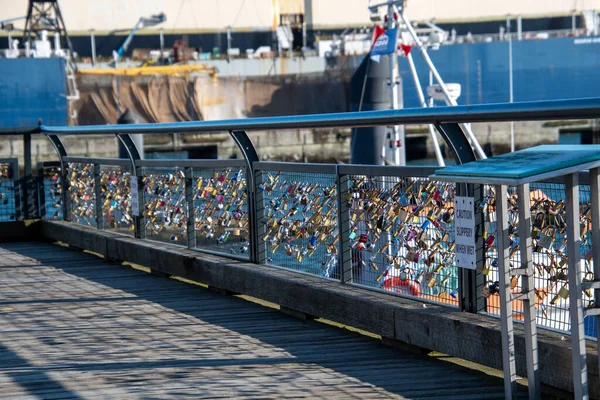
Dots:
(406, 49)
(384, 44)
(377, 32)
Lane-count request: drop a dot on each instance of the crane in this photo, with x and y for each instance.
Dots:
(8, 26)
(142, 23)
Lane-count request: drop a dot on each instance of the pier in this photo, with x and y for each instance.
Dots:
(367, 247)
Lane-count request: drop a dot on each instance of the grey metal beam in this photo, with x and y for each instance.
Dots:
(506, 317)
(595, 205)
(578, 352)
(131, 148)
(248, 150)
(527, 284)
(100, 161)
(457, 141)
(524, 111)
(61, 152)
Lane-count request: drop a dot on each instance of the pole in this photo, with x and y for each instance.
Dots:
(228, 43)
(450, 100)
(395, 140)
(595, 203)
(304, 36)
(162, 43)
(93, 41)
(506, 320)
(510, 82)
(519, 28)
(436, 145)
(578, 350)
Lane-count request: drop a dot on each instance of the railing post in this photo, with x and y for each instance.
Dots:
(595, 205)
(61, 152)
(506, 318)
(41, 190)
(476, 279)
(189, 199)
(26, 183)
(14, 168)
(261, 229)
(98, 203)
(345, 257)
(66, 199)
(527, 284)
(578, 351)
(470, 282)
(248, 150)
(140, 219)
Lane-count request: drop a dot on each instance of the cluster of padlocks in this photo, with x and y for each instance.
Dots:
(7, 193)
(82, 193)
(53, 192)
(116, 199)
(221, 209)
(401, 233)
(164, 205)
(549, 253)
(301, 222)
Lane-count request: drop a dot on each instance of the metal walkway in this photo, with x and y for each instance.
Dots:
(74, 326)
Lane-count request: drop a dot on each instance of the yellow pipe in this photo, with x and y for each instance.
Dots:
(158, 70)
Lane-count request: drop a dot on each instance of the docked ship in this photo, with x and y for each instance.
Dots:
(271, 57)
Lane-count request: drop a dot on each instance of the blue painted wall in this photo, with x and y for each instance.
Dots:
(543, 70)
(31, 89)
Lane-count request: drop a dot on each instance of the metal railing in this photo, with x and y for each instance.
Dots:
(549, 255)
(383, 228)
(9, 190)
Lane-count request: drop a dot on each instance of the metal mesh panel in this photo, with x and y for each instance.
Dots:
(52, 183)
(300, 220)
(164, 204)
(116, 199)
(220, 201)
(82, 193)
(549, 255)
(402, 236)
(7, 193)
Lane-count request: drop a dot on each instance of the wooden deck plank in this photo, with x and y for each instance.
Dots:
(74, 326)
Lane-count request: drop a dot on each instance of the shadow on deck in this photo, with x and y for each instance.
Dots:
(73, 325)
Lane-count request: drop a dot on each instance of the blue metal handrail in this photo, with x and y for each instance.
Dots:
(523, 111)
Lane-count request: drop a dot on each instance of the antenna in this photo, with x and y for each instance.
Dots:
(410, 36)
(45, 15)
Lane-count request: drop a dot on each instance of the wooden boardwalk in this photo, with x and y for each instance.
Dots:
(74, 326)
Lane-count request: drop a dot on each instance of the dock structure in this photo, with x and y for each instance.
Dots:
(511, 286)
(75, 326)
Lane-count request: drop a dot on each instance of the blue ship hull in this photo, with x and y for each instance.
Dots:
(32, 90)
(549, 69)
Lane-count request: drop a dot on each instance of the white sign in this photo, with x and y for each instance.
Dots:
(464, 232)
(135, 206)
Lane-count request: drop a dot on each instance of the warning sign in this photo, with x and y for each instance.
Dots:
(464, 232)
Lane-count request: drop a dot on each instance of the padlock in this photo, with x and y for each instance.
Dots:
(539, 221)
(545, 241)
(564, 292)
(431, 282)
